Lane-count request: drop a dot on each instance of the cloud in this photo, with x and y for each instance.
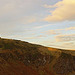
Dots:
(17, 15)
(28, 20)
(70, 28)
(43, 26)
(14, 11)
(64, 10)
(58, 31)
(17, 6)
(52, 32)
(64, 38)
(68, 45)
(66, 29)
(35, 37)
(53, 6)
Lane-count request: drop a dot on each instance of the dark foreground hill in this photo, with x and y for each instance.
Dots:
(23, 58)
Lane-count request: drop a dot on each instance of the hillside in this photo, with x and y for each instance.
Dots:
(23, 58)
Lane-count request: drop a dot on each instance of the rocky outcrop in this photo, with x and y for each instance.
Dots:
(65, 64)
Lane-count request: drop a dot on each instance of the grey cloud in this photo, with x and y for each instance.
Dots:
(14, 14)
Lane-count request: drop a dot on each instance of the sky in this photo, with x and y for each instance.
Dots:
(46, 22)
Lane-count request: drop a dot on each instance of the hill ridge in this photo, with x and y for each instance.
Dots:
(23, 58)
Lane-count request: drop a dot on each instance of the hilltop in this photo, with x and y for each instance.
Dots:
(23, 58)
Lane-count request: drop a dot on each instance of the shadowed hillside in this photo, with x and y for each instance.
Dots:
(23, 58)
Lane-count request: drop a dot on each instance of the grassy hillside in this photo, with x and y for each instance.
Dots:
(23, 58)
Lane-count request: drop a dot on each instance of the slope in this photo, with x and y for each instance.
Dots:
(23, 58)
